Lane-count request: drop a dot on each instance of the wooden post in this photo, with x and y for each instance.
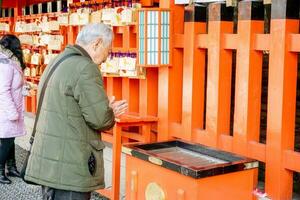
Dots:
(18, 9)
(248, 77)
(193, 73)
(218, 75)
(114, 87)
(130, 92)
(281, 98)
(148, 93)
(170, 79)
(117, 145)
(72, 34)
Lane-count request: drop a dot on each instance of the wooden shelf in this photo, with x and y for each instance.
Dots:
(29, 78)
(37, 16)
(124, 50)
(121, 28)
(89, 3)
(38, 32)
(107, 75)
(34, 48)
(5, 32)
(34, 65)
(6, 19)
(37, 48)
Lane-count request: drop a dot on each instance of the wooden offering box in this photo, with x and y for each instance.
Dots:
(178, 170)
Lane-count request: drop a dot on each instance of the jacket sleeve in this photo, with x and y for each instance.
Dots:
(6, 77)
(92, 99)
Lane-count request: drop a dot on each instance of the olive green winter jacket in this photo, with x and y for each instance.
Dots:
(67, 152)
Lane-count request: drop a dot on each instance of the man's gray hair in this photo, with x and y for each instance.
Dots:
(91, 32)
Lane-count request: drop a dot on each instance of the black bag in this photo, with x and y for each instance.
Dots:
(24, 167)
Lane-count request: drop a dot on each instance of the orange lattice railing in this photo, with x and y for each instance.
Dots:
(199, 106)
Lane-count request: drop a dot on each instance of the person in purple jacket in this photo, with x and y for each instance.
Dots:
(11, 104)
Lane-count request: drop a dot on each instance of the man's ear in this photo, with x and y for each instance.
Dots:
(98, 42)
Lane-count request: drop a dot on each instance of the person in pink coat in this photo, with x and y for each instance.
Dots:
(11, 104)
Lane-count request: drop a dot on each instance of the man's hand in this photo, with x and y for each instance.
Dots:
(119, 107)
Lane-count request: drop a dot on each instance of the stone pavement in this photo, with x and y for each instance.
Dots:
(19, 190)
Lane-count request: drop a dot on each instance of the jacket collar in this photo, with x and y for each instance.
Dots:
(10, 55)
(82, 51)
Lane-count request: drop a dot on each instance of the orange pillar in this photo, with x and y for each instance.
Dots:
(149, 93)
(64, 33)
(170, 79)
(126, 37)
(163, 104)
(18, 8)
(72, 34)
(193, 74)
(34, 102)
(114, 87)
(281, 98)
(104, 82)
(28, 107)
(218, 75)
(130, 92)
(116, 160)
(248, 77)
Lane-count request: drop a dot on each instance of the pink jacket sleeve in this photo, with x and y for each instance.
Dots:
(6, 77)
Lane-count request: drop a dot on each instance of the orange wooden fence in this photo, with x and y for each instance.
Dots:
(192, 98)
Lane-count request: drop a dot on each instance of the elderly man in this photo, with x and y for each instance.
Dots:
(67, 153)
